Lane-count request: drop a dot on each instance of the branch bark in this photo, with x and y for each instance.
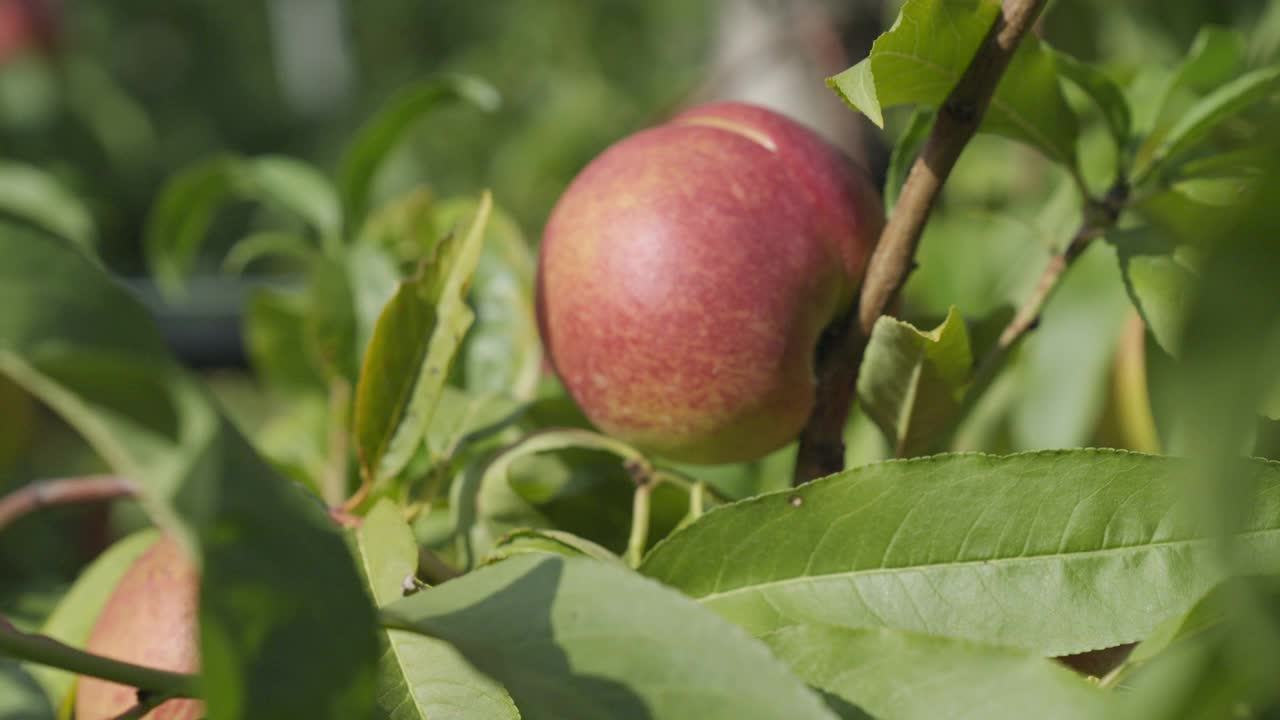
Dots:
(63, 491)
(821, 449)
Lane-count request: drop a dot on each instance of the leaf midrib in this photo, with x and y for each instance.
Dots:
(966, 563)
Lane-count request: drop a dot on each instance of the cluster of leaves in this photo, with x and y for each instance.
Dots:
(569, 575)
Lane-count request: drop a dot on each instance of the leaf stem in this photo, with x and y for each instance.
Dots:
(47, 651)
(822, 440)
(63, 491)
(333, 486)
(639, 538)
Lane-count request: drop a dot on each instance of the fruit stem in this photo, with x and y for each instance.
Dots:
(45, 650)
(639, 523)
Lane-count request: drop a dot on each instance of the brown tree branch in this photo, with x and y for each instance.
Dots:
(63, 491)
(821, 449)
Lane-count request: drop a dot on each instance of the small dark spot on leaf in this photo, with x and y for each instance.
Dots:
(795, 501)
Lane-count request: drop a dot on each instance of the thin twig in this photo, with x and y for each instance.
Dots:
(1099, 216)
(44, 650)
(63, 491)
(822, 443)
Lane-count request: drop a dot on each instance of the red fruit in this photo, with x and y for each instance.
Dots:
(151, 620)
(686, 275)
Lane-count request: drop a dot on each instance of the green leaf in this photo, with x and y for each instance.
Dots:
(413, 346)
(268, 243)
(1208, 113)
(276, 342)
(418, 677)
(503, 353)
(73, 619)
(1219, 660)
(36, 197)
(386, 129)
(1160, 285)
(484, 504)
(904, 154)
(554, 542)
(904, 676)
(920, 59)
(1000, 550)
(185, 209)
(912, 382)
(20, 696)
(405, 227)
(87, 348)
(298, 188)
(329, 325)
(1103, 91)
(552, 630)
(1216, 56)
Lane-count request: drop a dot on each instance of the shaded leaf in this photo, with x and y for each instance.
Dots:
(20, 696)
(1001, 550)
(73, 619)
(503, 352)
(268, 243)
(554, 542)
(386, 129)
(1103, 91)
(1216, 56)
(274, 330)
(87, 348)
(418, 677)
(904, 154)
(903, 676)
(329, 325)
(911, 382)
(1210, 111)
(1160, 285)
(484, 504)
(550, 629)
(296, 187)
(38, 198)
(413, 346)
(926, 51)
(188, 202)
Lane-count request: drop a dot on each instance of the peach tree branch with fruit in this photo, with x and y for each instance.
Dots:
(507, 486)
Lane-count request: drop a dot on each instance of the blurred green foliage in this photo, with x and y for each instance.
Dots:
(138, 90)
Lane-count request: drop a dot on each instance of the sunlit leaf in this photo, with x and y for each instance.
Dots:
(923, 55)
(413, 346)
(1001, 550)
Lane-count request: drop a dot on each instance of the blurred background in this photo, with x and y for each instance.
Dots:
(114, 97)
